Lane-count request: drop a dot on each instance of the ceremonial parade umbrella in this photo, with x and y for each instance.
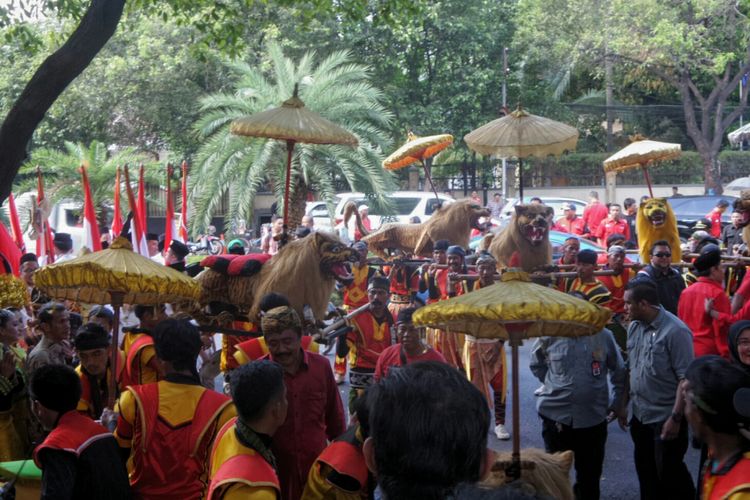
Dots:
(115, 276)
(738, 136)
(641, 153)
(292, 122)
(521, 135)
(513, 310)
(418, 149)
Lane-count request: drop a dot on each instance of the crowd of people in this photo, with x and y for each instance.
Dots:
(675, 356)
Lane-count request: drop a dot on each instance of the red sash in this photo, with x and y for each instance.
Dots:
(346, 459)
(737, 479)
(256, 348)
(132, 374)
(74, 433)
(169, 462)
(249, 469)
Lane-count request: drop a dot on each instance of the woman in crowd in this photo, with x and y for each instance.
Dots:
(13, 400)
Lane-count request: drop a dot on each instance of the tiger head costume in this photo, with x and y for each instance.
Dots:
(656, 221)
(742, 206)
(527, 236)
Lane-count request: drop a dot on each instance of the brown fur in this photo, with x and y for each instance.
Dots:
(452, 222)
(742, 205)
(301, 271)
(544, 474)
(648, 234)
(513, 239)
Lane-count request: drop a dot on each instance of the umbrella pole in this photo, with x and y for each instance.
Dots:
(520, 179)
(116, 298)
(513, 471)
(429, 179)
(289, 150)
(648, 180)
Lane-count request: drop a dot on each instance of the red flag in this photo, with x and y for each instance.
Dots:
(117, 218)
(10, 255)
(44, 233)
(183, 233)
(169, 230)
(142, 209)
(15, 224)
(137, 232)
(91, 238)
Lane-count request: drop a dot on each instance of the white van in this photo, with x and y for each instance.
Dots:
(65, 217)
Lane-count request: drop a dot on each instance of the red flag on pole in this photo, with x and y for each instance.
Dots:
(117, 218)
(91, 238)
(15, 224)
(183, 233)
(142, 209)
(169, 230)
(44, 233)
(10, 255)
(137, 232)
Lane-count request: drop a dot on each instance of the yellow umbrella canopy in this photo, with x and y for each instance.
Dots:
(639, 154)
(521, 135)
(292, 122)
(418, 149)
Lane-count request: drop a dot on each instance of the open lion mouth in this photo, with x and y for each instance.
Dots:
(535, 234)
(657, 218)
(342, 273)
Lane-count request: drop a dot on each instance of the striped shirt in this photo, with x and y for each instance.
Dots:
(595, 291)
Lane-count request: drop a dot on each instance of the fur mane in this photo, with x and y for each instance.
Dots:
(511, 240)
(547, 477)
(648, 234)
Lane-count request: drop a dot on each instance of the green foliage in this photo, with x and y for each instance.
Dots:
(335, 87)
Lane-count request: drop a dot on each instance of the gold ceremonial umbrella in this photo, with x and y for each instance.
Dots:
(515, 309)
(115, 276)
(641, 153)
(418, 149)
(292, 122)
(520, 135)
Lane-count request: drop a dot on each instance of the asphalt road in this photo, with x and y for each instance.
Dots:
(619, 480)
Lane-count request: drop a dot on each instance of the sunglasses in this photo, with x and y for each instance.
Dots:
(662, 254)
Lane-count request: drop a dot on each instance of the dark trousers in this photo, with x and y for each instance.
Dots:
(587, 445)
(662, 473)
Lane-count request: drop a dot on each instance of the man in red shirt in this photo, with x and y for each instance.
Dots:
(715, 217)
(594, 213)
(613, 224)
(409, 350)
(709, 335)
(571, 223)
(315, 413)
(570, 249)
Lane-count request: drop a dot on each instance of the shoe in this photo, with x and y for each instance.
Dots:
(340, 379)
(539, 390)
(501, 432)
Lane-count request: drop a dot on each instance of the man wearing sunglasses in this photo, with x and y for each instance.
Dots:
(668, 279)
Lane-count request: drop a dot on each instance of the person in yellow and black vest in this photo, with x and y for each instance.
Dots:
(138, 345)
(93, 346)
(242, 464)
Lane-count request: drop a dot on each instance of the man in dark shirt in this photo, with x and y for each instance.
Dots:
(79, 458)
(631, 210)
(668, 280)
(732, 234)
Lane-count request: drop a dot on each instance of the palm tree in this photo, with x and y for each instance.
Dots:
(338, 89)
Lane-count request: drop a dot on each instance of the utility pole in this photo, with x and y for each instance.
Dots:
(505, 103)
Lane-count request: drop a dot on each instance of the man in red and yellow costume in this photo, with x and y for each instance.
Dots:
(616, 285)
(242, 463)
(138, 345)
(169, 426)
(450, 345)
(404, 283)
(93, 347)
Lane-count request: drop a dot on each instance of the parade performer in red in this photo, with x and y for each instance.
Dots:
(594, 213)
(571, 223)
(93, 346)
(138, 345)
(715, 217)
(616, 285)
(586, 283)
(404, 283)
(613, 224)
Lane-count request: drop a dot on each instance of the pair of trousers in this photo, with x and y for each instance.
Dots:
(662, 473)
(587, 445)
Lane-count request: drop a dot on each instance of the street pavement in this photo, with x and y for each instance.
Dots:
(619, 480)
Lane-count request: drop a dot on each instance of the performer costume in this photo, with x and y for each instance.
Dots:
(256, 348)
(395, 355)
(595, 292)
(138, 346)
(369, 338)
(484, 360)
(616, 285)
(238, 471)
(169, 427)
(94, 399)
(730, 481)
(404, 281)
(229, 344)
(340, 472)
(354, 296)
(14, 411)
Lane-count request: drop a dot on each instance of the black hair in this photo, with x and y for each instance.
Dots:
(91, 333)
(28, 257)
(46, 312)
(643, 288)
(535, 198)
(659, 243)
(272, 300)
(140, 311)
(628, 202)
(5, 316)
(56, 387)
(722, 203)
(179, 342)
(254, 385)
(363, 413)
(427, 441)
(713, 382)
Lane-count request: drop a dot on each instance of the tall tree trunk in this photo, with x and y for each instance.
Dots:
(297, 202)
(49, 81)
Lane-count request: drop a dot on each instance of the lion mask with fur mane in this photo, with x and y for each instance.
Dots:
(742, 206)
(547, 476)
(656, 221)
(526, 239)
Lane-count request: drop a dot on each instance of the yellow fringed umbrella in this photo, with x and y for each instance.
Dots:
(641, 153)
(513, 310)
(115, 276)
(418, 149)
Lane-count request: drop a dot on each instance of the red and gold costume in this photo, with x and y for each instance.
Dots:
(369, 338)
(340, 472)
(404, 281)
(86, 404)
(730, 482)
(140, 358)
(229, 344)
(450, 345)
(256, 348)
(170, 427)
(74, 432)
(239, 472)
(354, 296)
(616, 285)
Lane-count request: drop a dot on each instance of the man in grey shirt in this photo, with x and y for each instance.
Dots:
(55, 347)
(660, 348)
(575, 399)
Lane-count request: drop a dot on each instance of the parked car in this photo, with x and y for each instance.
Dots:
(690, 209)
(319, 212)
(555, 202)
(406, 204)
(737, 185)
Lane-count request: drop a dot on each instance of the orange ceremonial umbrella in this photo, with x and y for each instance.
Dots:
(641, 153)
(418, 149)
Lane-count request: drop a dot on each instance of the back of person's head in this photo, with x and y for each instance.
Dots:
(179, 342)
(428, 431)
(140, 311)
(47, 311)
(713, 384)
(56, 387)
(643, 288)
(272, 300)
(254, 386)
